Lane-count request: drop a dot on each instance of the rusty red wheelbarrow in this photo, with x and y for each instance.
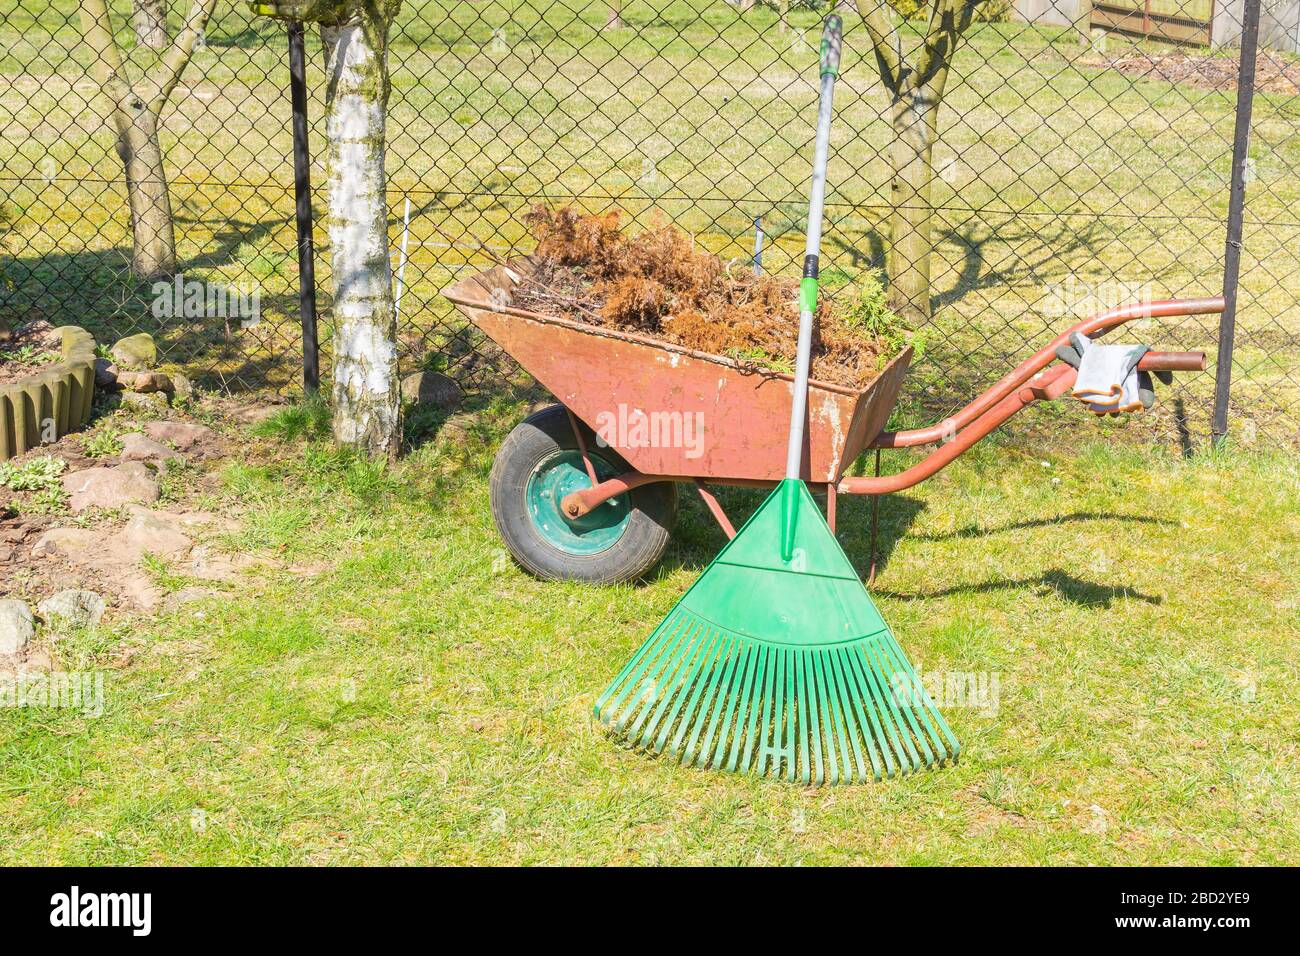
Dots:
(586, 489)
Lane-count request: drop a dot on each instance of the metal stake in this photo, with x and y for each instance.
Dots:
(1236, 211)
(303, 213)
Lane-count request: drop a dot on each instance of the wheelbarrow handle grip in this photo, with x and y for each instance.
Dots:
(1172, 362)
(832, 41)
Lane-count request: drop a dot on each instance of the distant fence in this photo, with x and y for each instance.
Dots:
(1073, 171)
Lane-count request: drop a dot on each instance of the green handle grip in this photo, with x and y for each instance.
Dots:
(832, 40)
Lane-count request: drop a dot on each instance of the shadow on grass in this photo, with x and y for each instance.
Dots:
(1073, 589)
(975, 531)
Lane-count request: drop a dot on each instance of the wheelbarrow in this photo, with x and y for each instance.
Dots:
(586, 489)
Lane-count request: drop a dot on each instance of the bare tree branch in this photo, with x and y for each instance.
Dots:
(885, 40)
(180, 53)
(949, 19)
(107, 67)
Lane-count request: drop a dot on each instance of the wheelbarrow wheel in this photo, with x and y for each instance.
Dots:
(537, 465)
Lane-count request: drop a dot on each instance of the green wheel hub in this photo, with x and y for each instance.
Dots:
(560, 475)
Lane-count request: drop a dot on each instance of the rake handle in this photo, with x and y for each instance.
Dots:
(830, 68)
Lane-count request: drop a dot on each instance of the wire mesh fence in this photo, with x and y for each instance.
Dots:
(1005, 168)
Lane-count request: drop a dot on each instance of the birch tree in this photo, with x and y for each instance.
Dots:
(134, 110)
(150, 21)
(915, 80)
(366, 389)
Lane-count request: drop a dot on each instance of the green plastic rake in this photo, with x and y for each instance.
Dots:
(776, 661)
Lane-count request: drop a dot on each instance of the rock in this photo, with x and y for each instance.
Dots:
(145, 382)
(105, 373)
(135, 351)
(149, 532)
(17, 626)
(145, 401)
(182, 386)
(73, 607)
(209, 565)
(76, 544)
(136, 447)
(140, 590)
(431, 388)
(7, 553)
(38, 660)
(129, 483)
(181, 434)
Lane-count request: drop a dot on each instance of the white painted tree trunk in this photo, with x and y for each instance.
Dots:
(367, 409)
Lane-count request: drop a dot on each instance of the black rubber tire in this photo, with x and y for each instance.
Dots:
(650, 520)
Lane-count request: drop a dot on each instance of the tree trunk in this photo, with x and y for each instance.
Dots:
(1082, 22)
(367, 408)
(153, 255)
(614, 20)
(151, 23)
(915, 121)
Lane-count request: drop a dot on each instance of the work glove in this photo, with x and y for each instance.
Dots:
(1108, 381)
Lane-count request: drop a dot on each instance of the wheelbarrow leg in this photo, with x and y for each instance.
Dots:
(720, 516)
(582, 447)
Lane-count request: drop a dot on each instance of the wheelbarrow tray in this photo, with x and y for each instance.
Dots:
(674, 411)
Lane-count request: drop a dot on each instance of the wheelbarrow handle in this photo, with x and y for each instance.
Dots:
(1031, 366)
(1172, 362)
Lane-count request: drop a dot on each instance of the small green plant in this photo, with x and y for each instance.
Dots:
(309, 419)
(761, 358)
(106, 440)
(872, 317)
(27, 355)
(40, 474)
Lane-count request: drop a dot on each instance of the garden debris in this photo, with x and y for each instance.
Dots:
(657, 283)
(1273, 73)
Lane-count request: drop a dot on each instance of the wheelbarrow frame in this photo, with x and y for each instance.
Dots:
(1035, 379)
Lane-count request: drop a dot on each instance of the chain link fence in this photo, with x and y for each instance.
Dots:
(1080, 157)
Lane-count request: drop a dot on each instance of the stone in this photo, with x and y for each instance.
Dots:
(145, 382)
(17, 626)
(150, 532)
(73, 607)
(136, 447)
(431, 388)
(181, 434)
(141, 591)
(135, 352)
(182, 386)
(209, 565)
(77, 544)
(105, 373)
(128, 483)
(38, 661)
(145, 401)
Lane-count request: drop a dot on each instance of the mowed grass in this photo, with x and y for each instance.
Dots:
(1066, 185)
(408, 695)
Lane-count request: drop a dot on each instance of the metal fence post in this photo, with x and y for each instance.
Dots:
(303, 213)
(1236, 210)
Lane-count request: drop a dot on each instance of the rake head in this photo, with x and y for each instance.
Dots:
(779, 667)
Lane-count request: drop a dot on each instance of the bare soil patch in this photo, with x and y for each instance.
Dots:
(26, 350)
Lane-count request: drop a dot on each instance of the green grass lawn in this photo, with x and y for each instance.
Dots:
(410, 696)
(1067, 186)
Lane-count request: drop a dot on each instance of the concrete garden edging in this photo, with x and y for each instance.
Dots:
(49, 403)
